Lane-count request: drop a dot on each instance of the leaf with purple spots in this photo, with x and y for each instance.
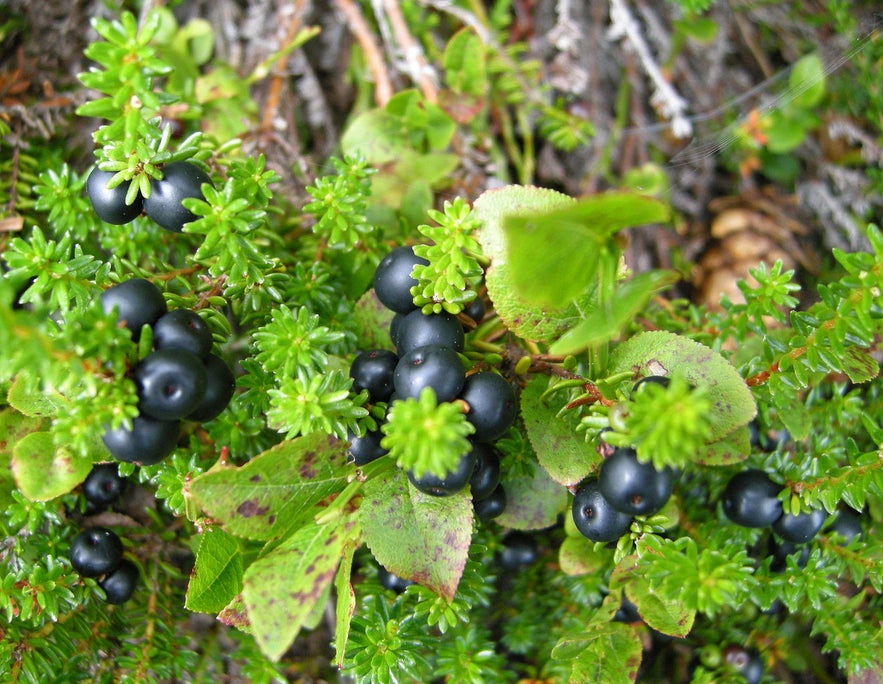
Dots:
(275, 492)
(608, 652)
(416, 536)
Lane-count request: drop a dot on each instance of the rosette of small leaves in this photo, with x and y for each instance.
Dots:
(425, 436)
(312, 402)
(60, 193)
(563, 129)
(293, 341)
(474, 591)
(470, 657)
(448, 282)
(340, 202)
(666, 425)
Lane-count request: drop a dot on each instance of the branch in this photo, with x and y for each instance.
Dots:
(359, 28)
(414, 62)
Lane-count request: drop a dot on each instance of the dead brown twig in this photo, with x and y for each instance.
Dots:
(362, 33)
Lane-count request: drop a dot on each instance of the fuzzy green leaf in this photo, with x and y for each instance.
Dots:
(579, 556)
(607, 652)
(732, 448)
(664, 613)
(417, 536)
(216, 578)
(43, 471)
(859, 365)
(281, 590)
(26, 396)
(806, 84)
(13, 427)
(275, 491)
(661, 353)
(465, 63)
(534, 500)
(372, 322)
(561, 451)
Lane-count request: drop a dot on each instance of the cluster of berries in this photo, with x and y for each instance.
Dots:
(179, 379)
(98, 552)
(427, 355)
(180, 180)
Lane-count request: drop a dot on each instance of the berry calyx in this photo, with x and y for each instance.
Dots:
(180, 180)
(120, 584)
(393, 281)
(633, 487)
(491, 405)
(594, 517)
(171, 383)
(95, 551)
(750, 499)
(138, 302)
(110, 203)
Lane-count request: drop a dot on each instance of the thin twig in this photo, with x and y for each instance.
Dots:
(420, 71)
(359, 28)
(278, 75)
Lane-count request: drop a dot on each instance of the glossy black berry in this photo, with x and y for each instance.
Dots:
(627, 611)
(633, 487)
(395, 325)
(95, 551)
(419, 330)
(594, 517)
(393, 281)
(780, 551)
(800, 528)
(373, 370)
(745, 662)
(519, 550)
(362, 450)
(476, 310)
(103, 485)
(661, 380)
(486, 475)
(492, 506)
(170, 383)
(183, 329)
(451, 483)
(110, 203)
(180, 180)
(847, 524)
(433, 366)
(148, 442)
(391, 581)
(137, 301)
(750, 499)
(219, 387)
(120, 584)
(491, 405)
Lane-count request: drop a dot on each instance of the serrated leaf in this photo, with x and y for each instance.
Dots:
(609, 652)
(26, 396)
(235, 615)
(526, 320)
(414, 535)
(579, 556)
(732, 448)
(275, 491)
(216, 578)
(372, 322)
(553, 255)
(859, 365)
(282, 589)
(660, 353)
(533, 501)
(43, 471)
(566, 456)
(664, 614)
(13, 427)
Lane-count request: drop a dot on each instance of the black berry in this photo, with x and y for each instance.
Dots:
(846, 524)
(519, 550)
(219, 387)
(183, 329)
(395, 325)
(491, 405)
(138, 302)
(779, 551)
(800, 528)
(170, 382)
(486, 475)
(627, 611)
(393, 281)
(750, 499)
(419, 330)
(594, 517)
(492, 506)
(373, 370)
(103, 485)
(148, 442)
(120, 584)
(452, 481)
(180, 181)
(110, 203)
(433, 366)
(476, 310)
(633, 487)
(95, 551)
(661, 380)
(391, 581)
(362, 450)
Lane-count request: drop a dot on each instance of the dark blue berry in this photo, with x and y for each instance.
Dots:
(491, 405)
(110, 203)
(147, 442)
(366, 448)
(492, 506)
(452, 481)
(170, 382)
(750, 499)
(120, 584)
(419, 330)
(219, 387)
(433, 366)
(95, 551)
(486, 476)
(519, 550)
(633, 487)
(183, 329)
(373, 370)
(393, 281)
(800, 528)
(180, 180)
(594, 517)
(103, 485)
(138, 302)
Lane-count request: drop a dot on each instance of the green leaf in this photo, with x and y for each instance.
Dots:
(701, 29)
(666, 614)
(26, 396)
(465, 63)
(524, 319)
(372, 321)
(732, 448)
(661, 353)
(566, 456)
(609, 652)
(859, 365)
(417, 536)
(806, 84)
(43, 471)
(275, 491)
(603, 324)
(783, 133)
(13, 427)
(346, 602)
(217, 576)
(282, 589)
(533, 501)
(553, 255)
(579, 556)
